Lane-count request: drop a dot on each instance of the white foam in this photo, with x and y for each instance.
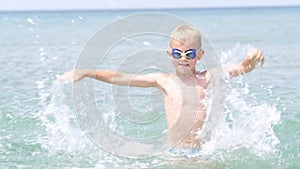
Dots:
(59, 121)
(247, 123)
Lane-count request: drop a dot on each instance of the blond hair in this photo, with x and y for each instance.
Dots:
(187, 34)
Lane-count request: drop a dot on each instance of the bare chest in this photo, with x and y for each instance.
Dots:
(182, 99)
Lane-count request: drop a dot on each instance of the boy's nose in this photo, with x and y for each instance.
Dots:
(183, 56)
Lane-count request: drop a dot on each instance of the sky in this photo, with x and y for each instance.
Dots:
(7, 5)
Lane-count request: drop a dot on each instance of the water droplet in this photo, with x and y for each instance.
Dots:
(146, 43)
(30, 20)
(9, 116)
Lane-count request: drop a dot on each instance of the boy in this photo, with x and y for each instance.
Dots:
(184, 90)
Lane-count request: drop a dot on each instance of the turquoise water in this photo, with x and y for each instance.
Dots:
(39, 129)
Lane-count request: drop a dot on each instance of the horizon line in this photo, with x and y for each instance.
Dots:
(136, 9)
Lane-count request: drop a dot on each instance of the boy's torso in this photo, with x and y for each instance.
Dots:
(184, 107)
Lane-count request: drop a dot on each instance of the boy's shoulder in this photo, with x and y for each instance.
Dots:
(203, 76)
(202, 73)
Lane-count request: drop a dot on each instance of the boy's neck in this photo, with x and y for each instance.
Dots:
(186, 75)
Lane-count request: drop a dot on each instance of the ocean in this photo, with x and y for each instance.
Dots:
(39, 124)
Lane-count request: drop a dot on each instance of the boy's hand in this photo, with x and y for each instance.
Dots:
(254, 57)
(73, 76)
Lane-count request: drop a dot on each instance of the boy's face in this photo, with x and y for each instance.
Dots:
(184, 65)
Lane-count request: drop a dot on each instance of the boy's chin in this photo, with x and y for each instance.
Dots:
(182, 70)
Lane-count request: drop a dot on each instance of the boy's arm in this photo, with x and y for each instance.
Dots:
(248, 64)
(113, 77)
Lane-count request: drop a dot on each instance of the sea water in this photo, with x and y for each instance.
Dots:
(39, 126)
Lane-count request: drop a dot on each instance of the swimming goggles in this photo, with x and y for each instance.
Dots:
(189, 54)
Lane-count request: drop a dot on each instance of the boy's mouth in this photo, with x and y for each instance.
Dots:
(183, 64)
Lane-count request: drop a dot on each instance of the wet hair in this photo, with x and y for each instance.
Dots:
(187, 34)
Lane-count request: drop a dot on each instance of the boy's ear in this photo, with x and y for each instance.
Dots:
(200, 53)
(168, 51)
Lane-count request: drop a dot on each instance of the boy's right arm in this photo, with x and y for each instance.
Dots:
(113, 77)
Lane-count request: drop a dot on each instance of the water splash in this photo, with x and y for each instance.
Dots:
(248, 122)
(59, 122)
(245, 126)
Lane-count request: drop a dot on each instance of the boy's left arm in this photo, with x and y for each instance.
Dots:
(253, 57)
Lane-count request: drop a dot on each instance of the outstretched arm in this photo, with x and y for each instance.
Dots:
(113, 77)
(253, 57)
